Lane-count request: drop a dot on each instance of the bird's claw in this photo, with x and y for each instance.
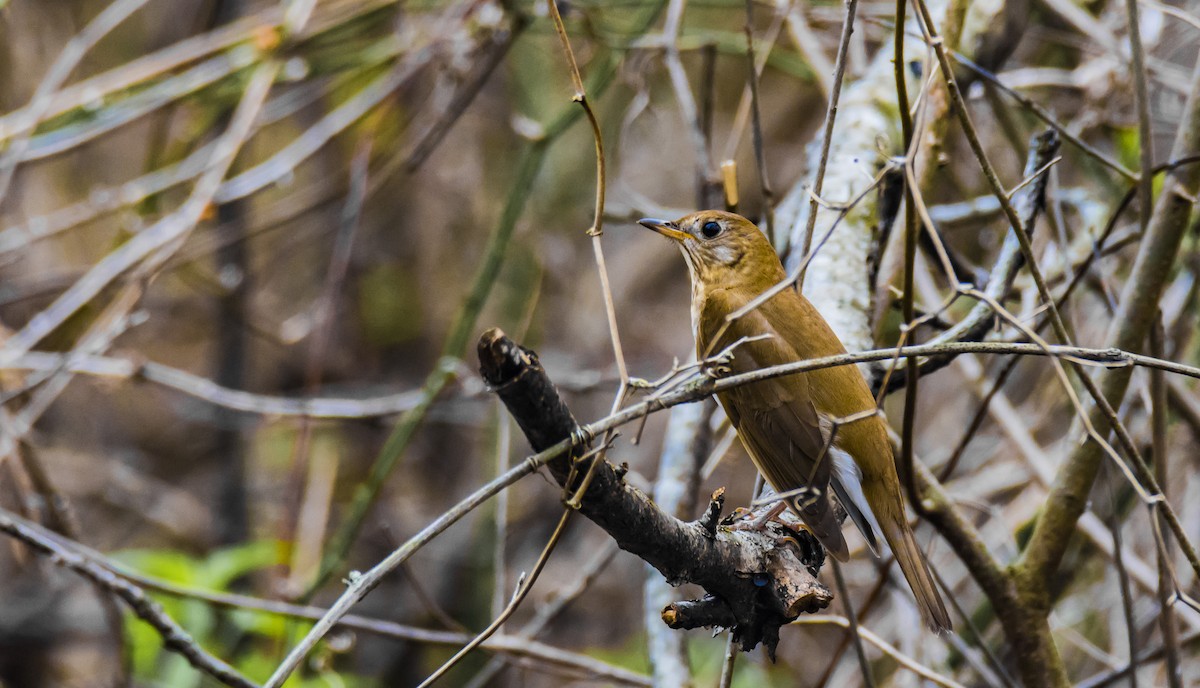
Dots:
(747, 519)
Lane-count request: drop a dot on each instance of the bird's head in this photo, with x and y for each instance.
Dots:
(722, 248)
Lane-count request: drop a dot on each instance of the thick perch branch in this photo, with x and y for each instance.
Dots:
(760, 585)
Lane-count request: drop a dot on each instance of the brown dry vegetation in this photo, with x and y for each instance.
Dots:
(246, 249)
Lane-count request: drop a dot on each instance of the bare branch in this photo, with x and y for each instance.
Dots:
(174, 637)
(780, 586)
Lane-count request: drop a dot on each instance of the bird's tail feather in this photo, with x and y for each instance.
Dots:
(847, 485)
(912, 563)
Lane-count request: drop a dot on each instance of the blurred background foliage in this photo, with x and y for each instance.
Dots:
(296, 282)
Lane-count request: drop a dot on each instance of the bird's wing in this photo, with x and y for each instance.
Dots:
(779, 424)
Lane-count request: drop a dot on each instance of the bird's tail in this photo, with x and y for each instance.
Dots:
(916, 572)
(912, 563)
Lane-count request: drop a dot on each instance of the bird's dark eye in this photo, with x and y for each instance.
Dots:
(710, 229)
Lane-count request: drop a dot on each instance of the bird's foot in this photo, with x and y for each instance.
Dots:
(745, 519)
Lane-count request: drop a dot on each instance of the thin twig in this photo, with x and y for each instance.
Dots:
(595, 232)
(1158, 421)
(1131, 630)
(499, 560)
(742, 115)
(174, 637)
(307, 551)
(908, 330)
(728, 662)
(493, 54)
(835, 94)
(76, 49)
(976, 324)
(1108, 678)
(1145, 139)
(1041, 113)
(204, 389)
(683, 93)
(557, 602)
(760, 157)
(1138, 308)
(522, 592)
(994, 672)
(887, 648)
(1064, 381)
(705, 196)
(685, 445)
(167, 232)
(359, 585)
(852, 627)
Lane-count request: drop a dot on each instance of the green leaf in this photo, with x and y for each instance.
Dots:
(224, 566)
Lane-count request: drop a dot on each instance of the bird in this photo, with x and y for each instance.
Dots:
(805, 432)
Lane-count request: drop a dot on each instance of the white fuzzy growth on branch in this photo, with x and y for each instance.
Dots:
(866, 130)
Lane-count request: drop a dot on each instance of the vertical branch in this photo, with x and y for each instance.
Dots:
(597, 228)
(756, 126)
(727, 664)
(1114, 525)
(460, 331)
(705, 189)
(910, 256)
(503, 447)
(864, 666)
(1145, 140)
(1158, 421)
(757, 62)
(835, 94)
(595, 232)
(683, 93)
(408, 424)
(232, 342)
(906, 122)
(233, 267)
(686, 445)
(1139, 300)
(936, 127)
(306, 554)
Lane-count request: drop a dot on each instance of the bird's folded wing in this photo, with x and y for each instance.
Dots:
(780, 428)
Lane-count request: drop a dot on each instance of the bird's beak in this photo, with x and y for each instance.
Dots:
(665, 228)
